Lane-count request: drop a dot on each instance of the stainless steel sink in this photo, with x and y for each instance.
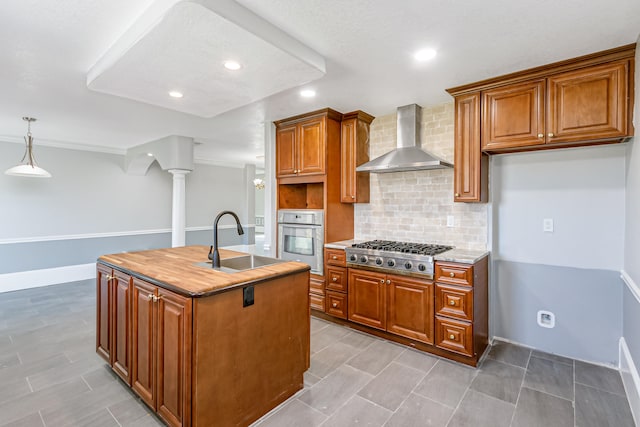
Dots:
(242, 263)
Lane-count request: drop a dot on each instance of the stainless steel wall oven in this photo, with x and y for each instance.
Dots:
(301, 237)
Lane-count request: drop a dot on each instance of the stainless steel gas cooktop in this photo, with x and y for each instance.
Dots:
(387, 255)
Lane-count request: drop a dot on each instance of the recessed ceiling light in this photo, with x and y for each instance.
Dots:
(307, 93)
(232, 65)
(175, 94)
(425, 55)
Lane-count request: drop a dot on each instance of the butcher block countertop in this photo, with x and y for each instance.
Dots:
(175, 269)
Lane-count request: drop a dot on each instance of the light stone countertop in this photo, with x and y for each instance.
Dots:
(465, 256)
(342, 244)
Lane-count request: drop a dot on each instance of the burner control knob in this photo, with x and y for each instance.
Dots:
(408, 265)
(353, 257)
(378, 261)
(364, 259)
(422, 267)
(391, 262)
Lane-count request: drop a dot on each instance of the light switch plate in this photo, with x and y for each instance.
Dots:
(547, 225)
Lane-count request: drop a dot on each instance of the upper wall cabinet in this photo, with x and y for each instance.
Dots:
(354, 151)
(301, 144)
(580, 106)
(582, 101)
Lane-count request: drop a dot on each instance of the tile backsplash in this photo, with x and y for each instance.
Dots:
(413, 206)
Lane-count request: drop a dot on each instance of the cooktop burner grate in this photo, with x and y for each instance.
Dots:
(403, 247)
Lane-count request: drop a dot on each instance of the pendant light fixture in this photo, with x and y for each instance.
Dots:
(28, 166)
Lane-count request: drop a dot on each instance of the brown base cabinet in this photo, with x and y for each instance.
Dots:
(208, 360)
(446, 316)
(398, 304)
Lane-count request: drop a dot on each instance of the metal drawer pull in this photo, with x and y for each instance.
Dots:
(388, 282)
(335, 304)
(452, 274)
(382, 281)
(150, 297)
(550, 135)
(335, 257)
(110, 277)
(541, 135)
(452, 337)
(335, 279)
(452, 302)
(457, 194)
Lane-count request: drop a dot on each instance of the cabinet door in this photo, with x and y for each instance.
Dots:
(367, 298)
(471, 165)
(143, 373)
(285, 151)
(513, 116)
(174, 358)
(588, 104)
(311, 146)
(410, 308)
(103, 306)
(121, 326)
(348, 189)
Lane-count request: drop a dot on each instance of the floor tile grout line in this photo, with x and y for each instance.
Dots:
(599, 389)
(19, 358)
(113, 416)
(42, 418)
(85, 381)
(524, 376)
(459, 403)
(29, 384)
(575, 421)
(547, 393)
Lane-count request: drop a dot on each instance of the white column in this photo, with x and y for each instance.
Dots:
(270, 189)
(178, 212)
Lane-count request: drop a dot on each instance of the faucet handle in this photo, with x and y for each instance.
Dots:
(210, 256)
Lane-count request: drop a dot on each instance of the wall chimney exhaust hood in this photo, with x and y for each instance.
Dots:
(408, 156)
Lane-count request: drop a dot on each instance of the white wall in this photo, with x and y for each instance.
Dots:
(91, 207)
(581, 189)
(573, 271)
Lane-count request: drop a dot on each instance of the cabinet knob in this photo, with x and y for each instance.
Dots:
(388, 282)
(452, 302)
(353, 197)
(452, 274)
(110, 277)
(335, 279)
(541, 135)
(150, 297)
(550, 135)
(457, 194)
(382, 281)
(334, 305)
(335, 257)
(452, 337)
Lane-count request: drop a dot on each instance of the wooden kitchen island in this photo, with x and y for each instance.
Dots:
(202, 347)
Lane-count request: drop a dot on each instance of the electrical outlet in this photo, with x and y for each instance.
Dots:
(546, 319)
(547, 225)
(449, 220)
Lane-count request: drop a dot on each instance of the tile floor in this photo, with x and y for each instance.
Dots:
(51, 376)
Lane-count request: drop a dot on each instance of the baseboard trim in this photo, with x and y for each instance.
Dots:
(630, 379)
(635, 290)
(45, 277)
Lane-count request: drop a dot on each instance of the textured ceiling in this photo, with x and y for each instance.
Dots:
(49, 47)
(185, 50)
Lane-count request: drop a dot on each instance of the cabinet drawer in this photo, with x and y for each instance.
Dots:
(453, 335)
(456, 274)
(336, 304)
(454, 301)
(316, 285)
(336, 257)
(316, 302)
(337, 279)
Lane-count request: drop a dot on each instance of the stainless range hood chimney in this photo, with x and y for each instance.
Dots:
(408, 156)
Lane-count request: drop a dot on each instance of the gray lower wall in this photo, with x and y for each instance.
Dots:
(586, 303)
(18, 257)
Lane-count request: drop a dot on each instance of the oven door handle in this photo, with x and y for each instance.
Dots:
(288, 224)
